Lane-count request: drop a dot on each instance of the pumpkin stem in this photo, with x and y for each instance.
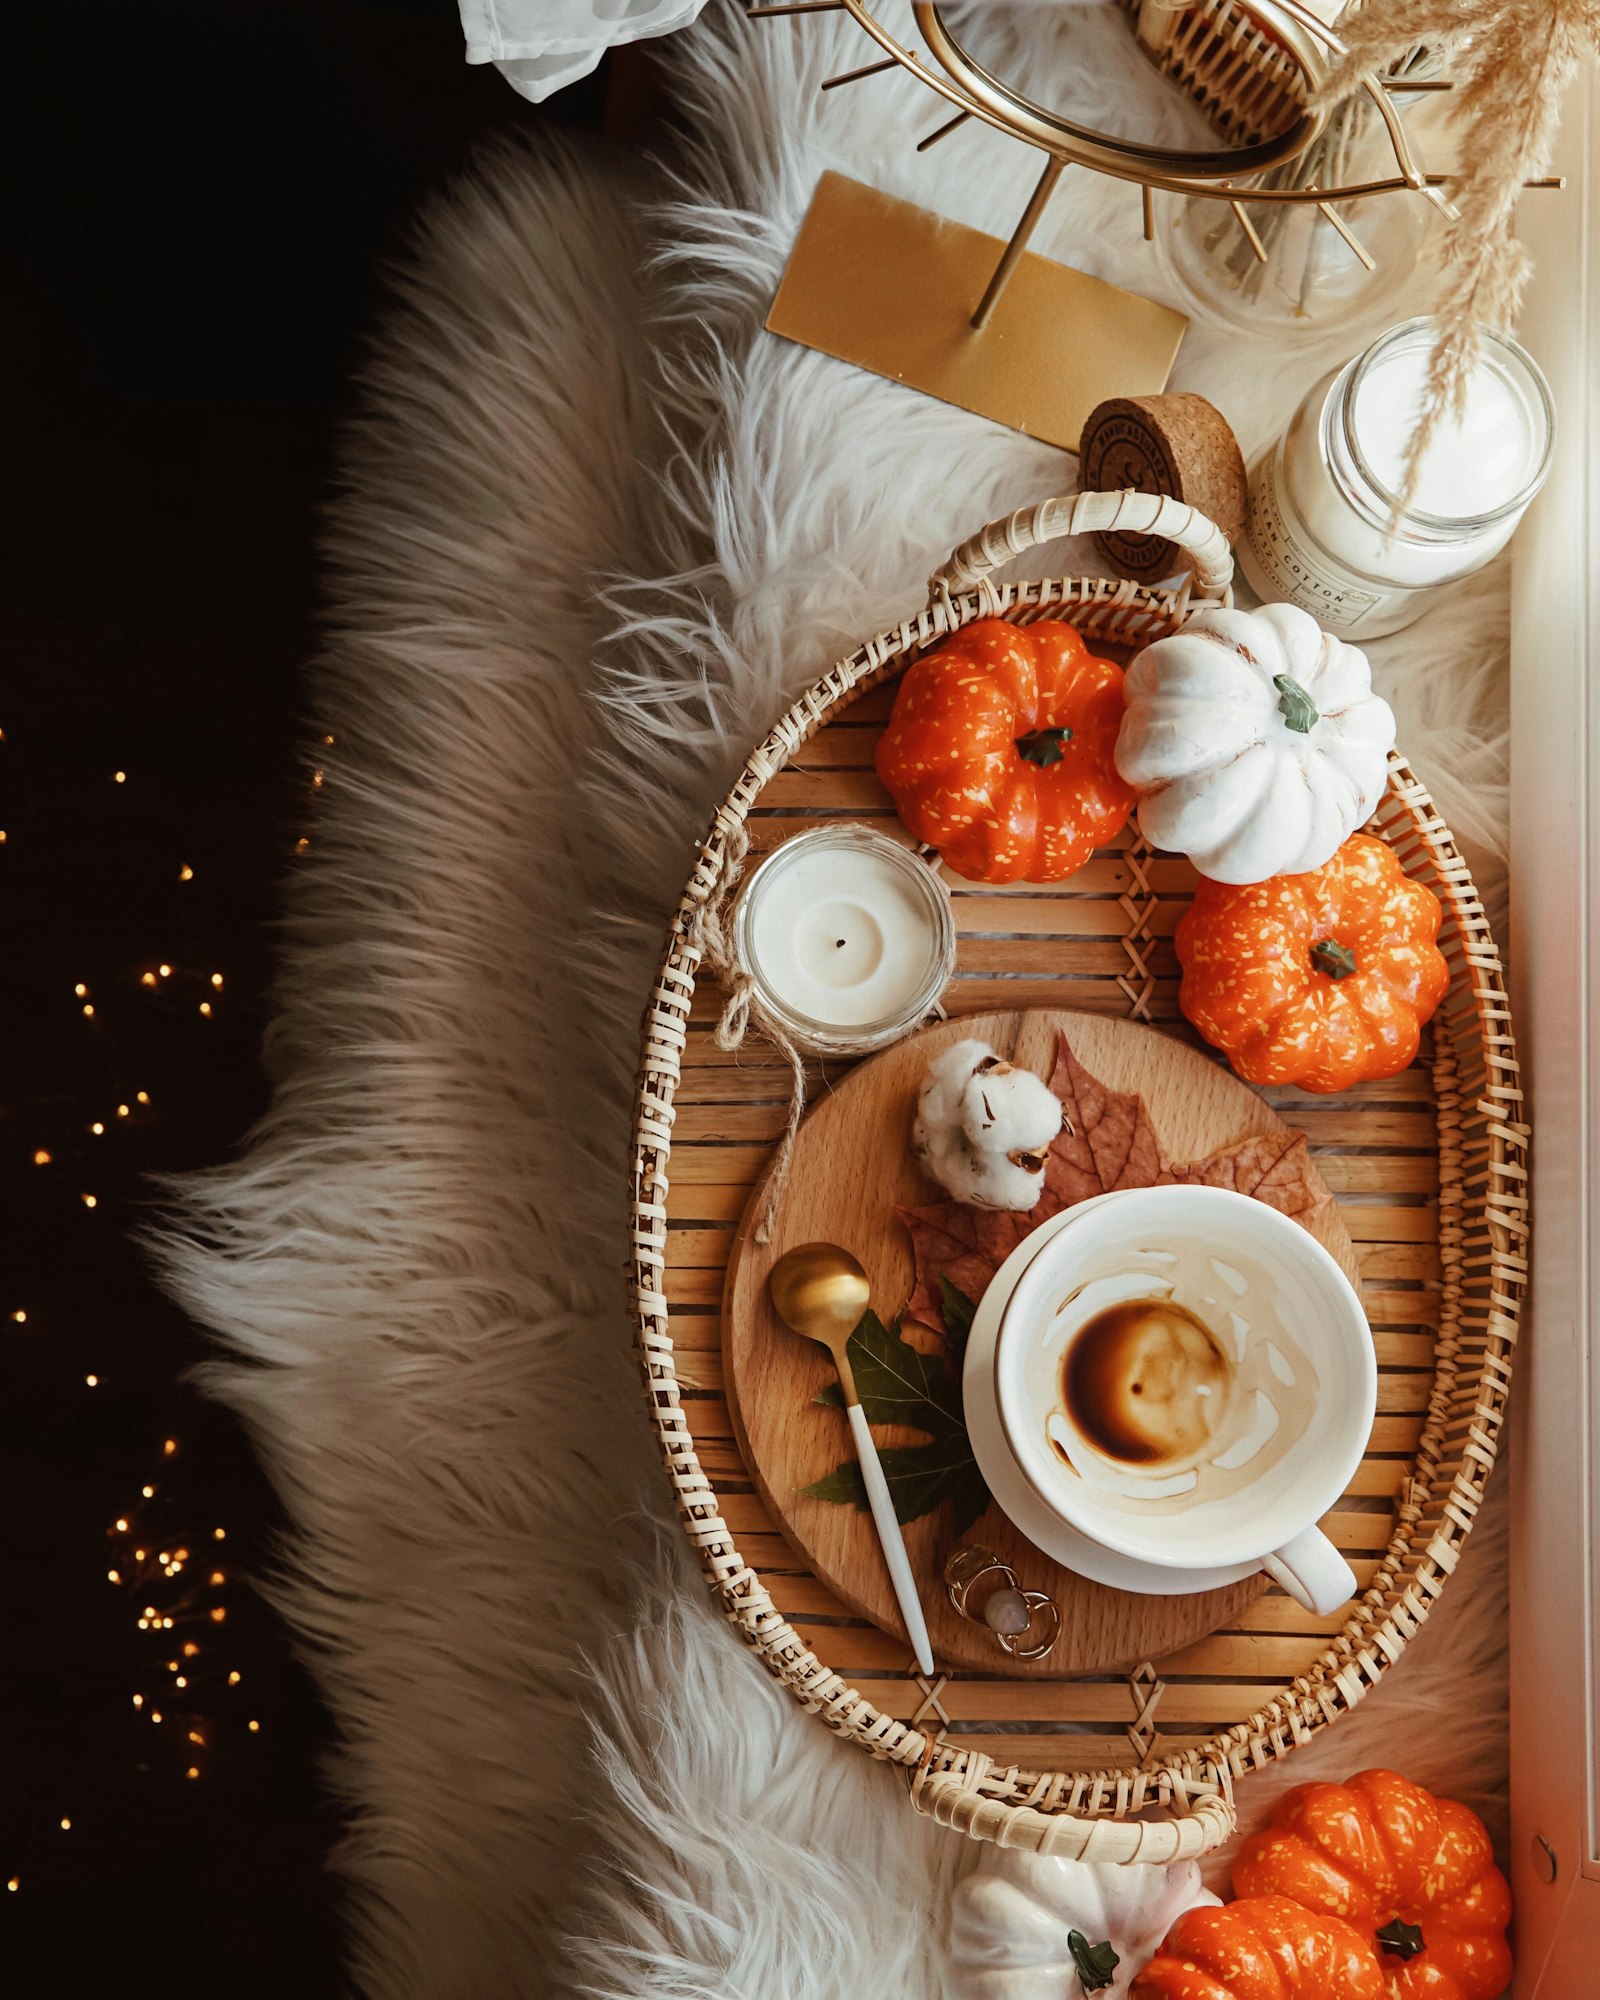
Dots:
(1400, 1939)
(1338, 961)
(1096, 1964)
(1296, 707)
(1043, 746)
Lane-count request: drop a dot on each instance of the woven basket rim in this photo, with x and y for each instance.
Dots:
(1486, 1234)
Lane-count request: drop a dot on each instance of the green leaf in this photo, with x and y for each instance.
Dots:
(921, 1475)
(1296, 707)
(918, 1476)
(1096, 1963)
(1400, 1939)
(898, 1384)
(970, 1498)
(1043, 746)
(844, 1486)
(891, 1375)
(959, 1312)
(1337, 960)
(872, 1345)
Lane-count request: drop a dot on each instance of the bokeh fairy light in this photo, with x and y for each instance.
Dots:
(86, 1144)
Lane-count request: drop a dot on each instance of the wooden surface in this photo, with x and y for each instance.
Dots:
(852, 1164)
(1099, 944)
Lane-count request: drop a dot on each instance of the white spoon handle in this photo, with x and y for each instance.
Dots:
(894, 1542)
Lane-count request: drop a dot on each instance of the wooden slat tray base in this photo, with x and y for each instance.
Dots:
(852, 1166)
(1377, 1151)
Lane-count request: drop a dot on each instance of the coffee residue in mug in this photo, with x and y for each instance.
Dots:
(1180, 1383)
(1146, 1382)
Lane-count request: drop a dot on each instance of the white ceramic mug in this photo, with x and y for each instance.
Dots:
(1269, 1518)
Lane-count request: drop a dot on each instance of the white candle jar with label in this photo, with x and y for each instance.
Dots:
(1318, 532)
(847, 937)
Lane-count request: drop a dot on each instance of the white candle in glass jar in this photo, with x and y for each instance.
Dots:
(1318, 531)
(847, 937)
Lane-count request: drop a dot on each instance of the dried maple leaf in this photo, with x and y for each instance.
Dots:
(1274, 1167)
(1109, 1141)
(965, 1245)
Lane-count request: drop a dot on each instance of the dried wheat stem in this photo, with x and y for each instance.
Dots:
(1510, 60)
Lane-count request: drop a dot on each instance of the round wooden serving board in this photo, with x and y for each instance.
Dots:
(852, 1165)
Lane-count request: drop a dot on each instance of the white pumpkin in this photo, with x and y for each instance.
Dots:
(1011, 1918)
(1254, 741)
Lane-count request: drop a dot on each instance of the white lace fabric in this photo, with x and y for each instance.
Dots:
(539, 46)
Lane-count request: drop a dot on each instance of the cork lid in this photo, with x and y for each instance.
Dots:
(1179, 445)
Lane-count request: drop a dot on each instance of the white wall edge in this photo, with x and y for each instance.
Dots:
(1555, 965)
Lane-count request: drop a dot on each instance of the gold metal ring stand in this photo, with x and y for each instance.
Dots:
(1254, 66)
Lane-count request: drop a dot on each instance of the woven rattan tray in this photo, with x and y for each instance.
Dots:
(1429, 1171)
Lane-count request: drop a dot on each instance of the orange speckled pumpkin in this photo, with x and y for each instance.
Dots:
(1000, 750)
(1323, 979)
(1261, 1948)
(1412, 1872)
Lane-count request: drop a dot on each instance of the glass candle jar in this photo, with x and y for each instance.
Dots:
(1318, 532)
(847, 937)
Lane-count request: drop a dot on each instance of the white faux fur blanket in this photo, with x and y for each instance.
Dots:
(596, 529)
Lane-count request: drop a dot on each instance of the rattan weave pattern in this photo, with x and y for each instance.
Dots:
(1479, 1270)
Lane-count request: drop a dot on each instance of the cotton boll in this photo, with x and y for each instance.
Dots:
(1010, 1108)
(984, 1128)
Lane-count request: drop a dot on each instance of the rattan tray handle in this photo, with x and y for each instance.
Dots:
(1129, 513)
(950, 1798)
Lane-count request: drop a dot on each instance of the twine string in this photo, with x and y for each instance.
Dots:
(710, 934)
(741, 1004)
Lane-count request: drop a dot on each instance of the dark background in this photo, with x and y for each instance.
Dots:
(200, 202)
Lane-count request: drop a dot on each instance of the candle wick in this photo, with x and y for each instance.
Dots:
(838, 944)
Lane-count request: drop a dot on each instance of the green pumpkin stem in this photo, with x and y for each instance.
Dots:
(1400, 1939)
(1337, 960)
(1296, 707)
(1096, 1963)
(1043, 746)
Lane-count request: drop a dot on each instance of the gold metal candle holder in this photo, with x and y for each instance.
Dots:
(867, 271)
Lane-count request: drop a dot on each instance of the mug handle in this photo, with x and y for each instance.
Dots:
(1313, 1572)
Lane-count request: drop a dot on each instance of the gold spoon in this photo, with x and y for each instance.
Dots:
(820, 1290)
